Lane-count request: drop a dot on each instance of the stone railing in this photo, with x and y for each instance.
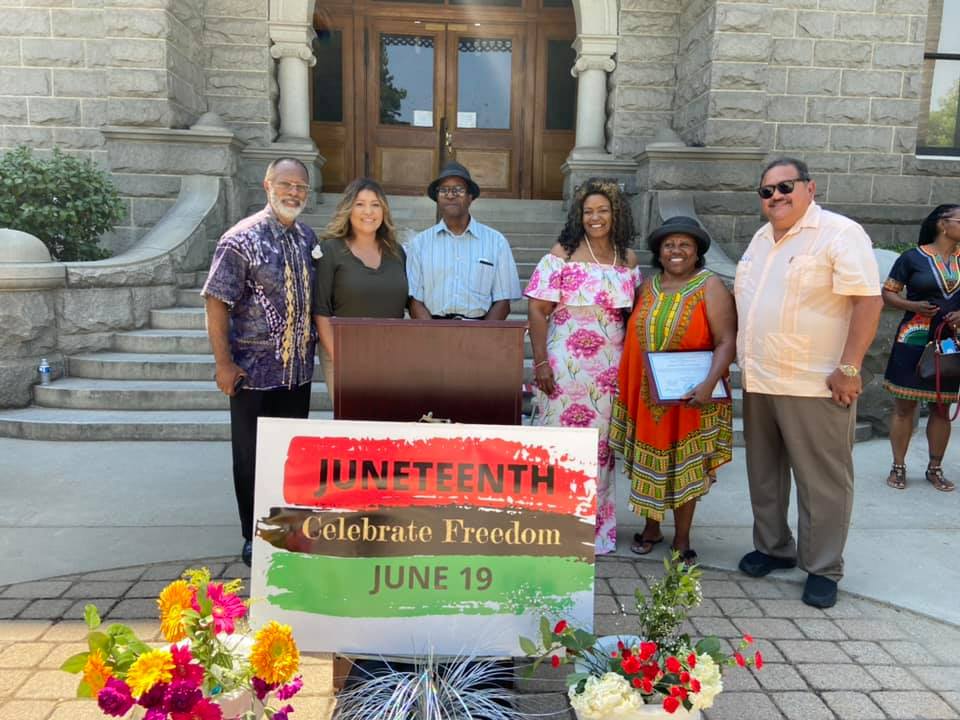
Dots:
(49, 309)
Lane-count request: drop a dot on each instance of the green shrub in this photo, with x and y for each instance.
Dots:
(66, 202)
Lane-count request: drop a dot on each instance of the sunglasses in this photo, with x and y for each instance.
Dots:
(784, 188)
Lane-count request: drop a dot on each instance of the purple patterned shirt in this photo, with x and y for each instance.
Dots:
(264, 273)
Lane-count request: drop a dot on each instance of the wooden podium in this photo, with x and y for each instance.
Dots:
(467, 371)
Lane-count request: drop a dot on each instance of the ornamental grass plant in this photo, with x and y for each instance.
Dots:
(213, 667)
(614, 677)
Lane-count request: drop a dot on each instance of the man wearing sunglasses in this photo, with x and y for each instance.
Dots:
(808, 299)
(460, 268)
(257, 299)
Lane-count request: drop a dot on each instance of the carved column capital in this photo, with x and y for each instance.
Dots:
(593, 62)
(294, 50)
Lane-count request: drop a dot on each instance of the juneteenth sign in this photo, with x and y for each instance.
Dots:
(404, 538)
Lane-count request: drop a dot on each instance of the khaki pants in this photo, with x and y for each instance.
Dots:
(814, 438)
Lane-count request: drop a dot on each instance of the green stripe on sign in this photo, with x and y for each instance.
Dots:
(425, 585)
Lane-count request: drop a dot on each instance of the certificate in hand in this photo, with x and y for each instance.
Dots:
(674, 374)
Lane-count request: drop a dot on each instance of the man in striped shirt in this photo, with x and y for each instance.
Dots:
(460, 268)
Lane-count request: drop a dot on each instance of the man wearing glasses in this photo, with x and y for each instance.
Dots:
(460, 268)
(257, 299)
(808, 299)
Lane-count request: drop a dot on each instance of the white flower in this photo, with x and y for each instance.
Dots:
(316, 253)
(604, 697)
(707, 673)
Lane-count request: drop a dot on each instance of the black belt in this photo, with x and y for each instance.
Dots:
(454, 316)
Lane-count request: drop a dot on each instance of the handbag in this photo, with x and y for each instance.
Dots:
(937, 366)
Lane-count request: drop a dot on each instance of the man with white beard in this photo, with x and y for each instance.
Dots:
(257, 299)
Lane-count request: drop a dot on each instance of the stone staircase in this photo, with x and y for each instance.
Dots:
(156, 383)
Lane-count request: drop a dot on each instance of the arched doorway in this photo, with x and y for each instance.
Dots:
(400, 87)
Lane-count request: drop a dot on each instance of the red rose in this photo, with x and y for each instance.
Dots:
(560, 627)
(748, 639)
(673, 665)
(646, 686)
(625, 652)
(647, 650)
(692, 660)
(630, 665)
(684, 677)
(670, 704)
(758, 659)
(739, 660)
(651, 671)
(637, 683)
(620, 645)
(695, 685)
(555, 661)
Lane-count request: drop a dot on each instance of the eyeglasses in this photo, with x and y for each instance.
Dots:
(452, 191)
(784, 188)
(284, 186)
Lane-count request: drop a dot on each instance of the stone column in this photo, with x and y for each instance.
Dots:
(293, 76)
(594, 61)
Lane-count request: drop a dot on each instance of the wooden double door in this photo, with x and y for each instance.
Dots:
(494, 93)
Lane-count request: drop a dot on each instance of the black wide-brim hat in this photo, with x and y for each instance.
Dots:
(681, 225)
(453, 169)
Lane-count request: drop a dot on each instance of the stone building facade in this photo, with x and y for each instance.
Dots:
(840, 83)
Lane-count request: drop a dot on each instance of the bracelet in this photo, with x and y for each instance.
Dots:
(542, 362)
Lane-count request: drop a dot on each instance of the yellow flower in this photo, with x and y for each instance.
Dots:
(274, 656)
(154, 666)
(174, 599)
(96, 672)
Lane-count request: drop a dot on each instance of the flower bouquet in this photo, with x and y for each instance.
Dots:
(659, 673)
(211, 670)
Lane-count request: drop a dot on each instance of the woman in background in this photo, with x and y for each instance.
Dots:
(360, 266)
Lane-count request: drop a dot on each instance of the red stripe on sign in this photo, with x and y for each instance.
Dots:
(355, 474)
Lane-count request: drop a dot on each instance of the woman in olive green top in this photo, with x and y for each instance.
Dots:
(361, 271)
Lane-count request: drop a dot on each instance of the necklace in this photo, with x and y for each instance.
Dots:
(590, 248)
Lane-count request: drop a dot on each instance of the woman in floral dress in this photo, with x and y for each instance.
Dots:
(579, 296)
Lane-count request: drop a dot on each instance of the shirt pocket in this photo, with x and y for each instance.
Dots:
(788, 352)
(808, 275)
(481, 278)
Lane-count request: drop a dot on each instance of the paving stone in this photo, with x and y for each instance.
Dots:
(952, 697)
(739, 606)
(130, 573)
(236, 570)
(761, 588)
(147, 589)
(24, 709)
(742, 705)
(938, 678)
(769, 628)
(98, 589)
(891, 677)
(616, 570)
(312, 706)
(721, 589)
(736, 678)
(779, 676)
(813, 651)
(77, 710)
(832, 676)
(907, 705)
(136, 608)
(844, 609)
(23, 655)
(866, 653)
(820, 629)
(707, 608)
(910, 653)
(58, 652)
(169, 571)
(47, 684)
(10, 608)
(789, 609)
(852, 706)
(52, 609)
(721, 627)
(858, 629)
(39, 589)
(606, 605)
(615, 625)
(317, 672)
(768, 649)
(626, 586)
(11, 680)
(78, 609)
(65, 631)
(802, 706)
(602, 587)
(22, 630)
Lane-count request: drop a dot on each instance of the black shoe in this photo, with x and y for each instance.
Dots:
(247, 553)
(820, 591)
(758, 564)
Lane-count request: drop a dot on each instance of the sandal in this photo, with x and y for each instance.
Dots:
(643, 546)
(935, 477)
(687, 557)
(897, 479)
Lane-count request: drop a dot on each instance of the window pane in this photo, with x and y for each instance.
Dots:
(561, 86)
(558, 3)
(949, 25)
(328, 76)
(483, 82)
(406, 80)
(941, 125)
(499, 3)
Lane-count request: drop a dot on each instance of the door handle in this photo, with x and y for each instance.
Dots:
(448, 143)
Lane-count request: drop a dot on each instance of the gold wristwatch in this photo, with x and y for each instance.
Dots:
(848, 370)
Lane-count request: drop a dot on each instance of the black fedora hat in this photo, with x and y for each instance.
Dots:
(683, 225)
(454, 169)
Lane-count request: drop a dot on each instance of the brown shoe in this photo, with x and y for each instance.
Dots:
(897, 479)
(935, 477)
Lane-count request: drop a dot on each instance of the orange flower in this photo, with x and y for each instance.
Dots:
(96, 672)
(274, 656)
(174, 599)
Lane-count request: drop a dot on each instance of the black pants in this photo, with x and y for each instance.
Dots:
(245, 408)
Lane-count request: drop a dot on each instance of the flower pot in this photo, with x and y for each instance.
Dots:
(236, 703)
(650, 712)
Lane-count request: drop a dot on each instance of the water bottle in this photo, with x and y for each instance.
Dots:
(45, 371)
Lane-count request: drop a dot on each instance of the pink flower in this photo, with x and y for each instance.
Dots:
(534, 282)
(609, 380)
(554, 282)
(603, 299)
(603, 455)
(226, 608)
(290, 689)
(261, 687)
(115, 698)
(560, 316)
(572, 277)
(155, 713)
(184, 667)
(577, 415)
(283, 713)
(181, 696)
(584, 343)
(203, 710)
